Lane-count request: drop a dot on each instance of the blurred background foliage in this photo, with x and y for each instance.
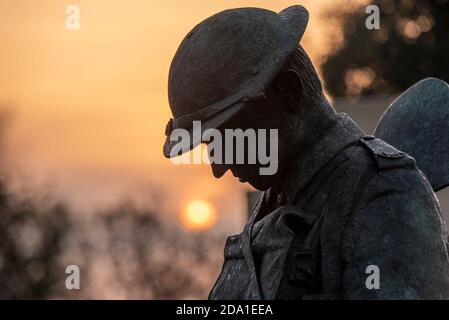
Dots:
(131, 253)
(126, 252)
(411, 44)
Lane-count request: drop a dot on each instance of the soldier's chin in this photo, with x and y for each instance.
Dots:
(261, 183)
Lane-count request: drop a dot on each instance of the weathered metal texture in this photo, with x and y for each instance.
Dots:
(345, 202)
(229, 59)
(351, 202)
(418, 123)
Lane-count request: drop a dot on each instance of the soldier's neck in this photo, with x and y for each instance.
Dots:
(318, 117)
(313, 122)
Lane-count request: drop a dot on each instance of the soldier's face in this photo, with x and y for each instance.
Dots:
(269, 114)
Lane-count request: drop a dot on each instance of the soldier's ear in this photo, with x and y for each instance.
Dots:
(288, 84)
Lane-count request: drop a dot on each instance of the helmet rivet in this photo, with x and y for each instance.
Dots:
(255, 71)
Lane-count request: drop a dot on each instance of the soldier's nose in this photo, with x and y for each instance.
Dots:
(219, 170)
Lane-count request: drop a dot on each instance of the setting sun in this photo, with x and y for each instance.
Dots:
(198, 215)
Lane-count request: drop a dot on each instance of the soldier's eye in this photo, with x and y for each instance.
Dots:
(280, 86)
(282, 83)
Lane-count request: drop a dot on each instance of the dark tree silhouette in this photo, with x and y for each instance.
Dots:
(138, 255)
(30, 244)
(411, 44)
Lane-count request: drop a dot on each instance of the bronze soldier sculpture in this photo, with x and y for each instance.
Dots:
(341, 202)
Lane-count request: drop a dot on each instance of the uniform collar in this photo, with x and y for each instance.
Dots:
(309, 162)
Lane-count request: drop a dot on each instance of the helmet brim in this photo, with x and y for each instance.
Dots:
(179, 146)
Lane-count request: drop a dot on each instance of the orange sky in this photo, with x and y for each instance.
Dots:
(89, 106)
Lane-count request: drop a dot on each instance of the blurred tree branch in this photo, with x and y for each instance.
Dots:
(411, 44)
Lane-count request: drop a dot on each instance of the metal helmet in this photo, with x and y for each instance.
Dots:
(226, 61)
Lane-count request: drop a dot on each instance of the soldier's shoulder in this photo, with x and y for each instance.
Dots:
(387, 168)
(379, 154)
(376, 166)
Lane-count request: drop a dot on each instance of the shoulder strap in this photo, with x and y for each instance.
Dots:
(385, 155)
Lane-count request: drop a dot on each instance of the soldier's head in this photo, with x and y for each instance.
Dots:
(244, 69)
